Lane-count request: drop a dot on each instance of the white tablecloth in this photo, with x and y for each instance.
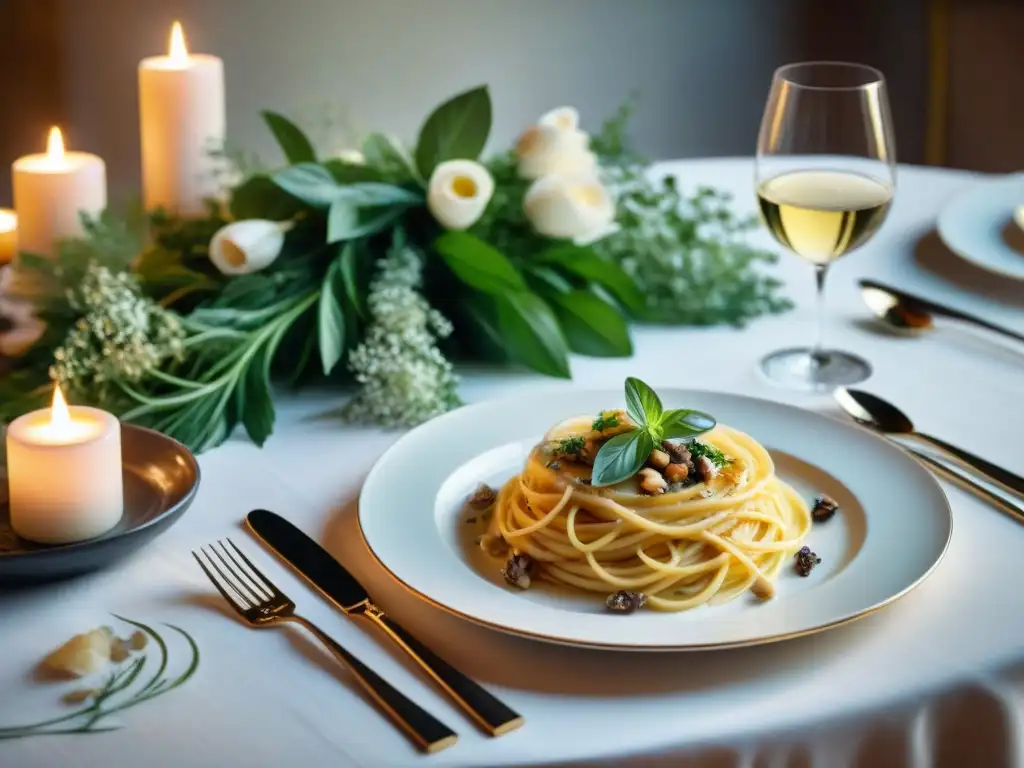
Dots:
(935, 679)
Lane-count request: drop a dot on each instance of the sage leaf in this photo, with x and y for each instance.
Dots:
(293, 142)
(642, 402)
(331, 317)
(531, 335)
(478, 264)
(621, 457)
(591, 326)
(584, 262)
(311, 183)
(457, 129)
(682, 423)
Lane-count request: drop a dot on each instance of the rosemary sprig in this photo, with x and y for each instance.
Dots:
(88, 718)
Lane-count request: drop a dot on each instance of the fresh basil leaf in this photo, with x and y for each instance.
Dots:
(457, 129)
(372, 193)
(584, 262)
(530, 333)
(311, 183)
(478, 264)
(331, 317)
(621, 457)
(293, 142)
(642, 403)
(258, 197)
(591, 326)
(680, 423)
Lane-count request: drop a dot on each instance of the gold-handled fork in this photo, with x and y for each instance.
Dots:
(255, 598)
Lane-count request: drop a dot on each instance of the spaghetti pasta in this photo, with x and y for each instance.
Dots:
(703, 543)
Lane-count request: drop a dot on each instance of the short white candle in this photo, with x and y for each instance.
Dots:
(64, 473)
(8, 235)
(182, 117)
(51, 191)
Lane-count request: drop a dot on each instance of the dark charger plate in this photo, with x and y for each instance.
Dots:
(161, 478)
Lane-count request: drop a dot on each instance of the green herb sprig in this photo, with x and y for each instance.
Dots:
(712, 454)
(623, 456)
(88, 718)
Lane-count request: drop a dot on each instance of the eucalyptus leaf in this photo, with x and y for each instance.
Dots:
(642, 403)
(371, 193)
(331, 317)
(311, 183)
(457, 129)
(530, 333)
(621, 457)
(682, 423)
(591, 326)
(293, 142)
(478, 264)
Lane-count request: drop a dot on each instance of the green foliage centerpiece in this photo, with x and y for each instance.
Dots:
(379, 268)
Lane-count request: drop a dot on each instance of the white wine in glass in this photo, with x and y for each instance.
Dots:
(825, 177)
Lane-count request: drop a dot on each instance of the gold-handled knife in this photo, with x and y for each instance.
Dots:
(335, 583)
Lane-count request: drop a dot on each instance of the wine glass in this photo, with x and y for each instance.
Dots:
(825, 175)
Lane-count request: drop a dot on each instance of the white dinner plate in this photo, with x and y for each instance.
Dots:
(978, 225)
(892, 530)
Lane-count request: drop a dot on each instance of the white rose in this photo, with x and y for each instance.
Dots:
(569, 207)
(25, 328)
(544, 150)
(458, 193)
(563, 118)
(242, 247)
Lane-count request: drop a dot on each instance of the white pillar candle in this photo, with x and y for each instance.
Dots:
(8, 235)
(51, 191)
(182, 117)
(64, 473)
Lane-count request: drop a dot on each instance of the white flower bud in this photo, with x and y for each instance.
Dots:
(544, 150)
(579, 208)
(562, 118)
(243, 247)
(458, 193)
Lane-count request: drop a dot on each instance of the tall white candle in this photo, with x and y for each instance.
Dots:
(8, 235)
(182, 117)
(51, 191)
(64, 473)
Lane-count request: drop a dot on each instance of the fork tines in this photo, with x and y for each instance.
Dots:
(249, 586)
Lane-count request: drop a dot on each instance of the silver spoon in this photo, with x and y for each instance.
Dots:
(908, 312)
(873, 411)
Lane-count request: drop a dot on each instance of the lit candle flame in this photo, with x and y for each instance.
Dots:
(60, 416)
(55, 145)
(178, 52)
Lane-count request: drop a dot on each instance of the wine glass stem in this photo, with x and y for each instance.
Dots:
(818, 354)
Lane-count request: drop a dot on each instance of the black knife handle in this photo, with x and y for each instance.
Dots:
(496, 717)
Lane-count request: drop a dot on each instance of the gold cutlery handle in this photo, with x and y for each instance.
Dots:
(429, 733)
(490, 713)
(964, 480)
(1004, 477)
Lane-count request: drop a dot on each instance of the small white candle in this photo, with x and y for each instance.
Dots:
(51, 191)
(64, 473)
(8, 235)
(182, 117)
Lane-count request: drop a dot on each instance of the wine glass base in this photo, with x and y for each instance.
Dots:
(803, 368)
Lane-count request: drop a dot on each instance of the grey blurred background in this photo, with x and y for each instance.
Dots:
(702, 68)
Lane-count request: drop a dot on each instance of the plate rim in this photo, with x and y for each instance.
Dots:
(989, 180)
(649, 647)
(77, 546)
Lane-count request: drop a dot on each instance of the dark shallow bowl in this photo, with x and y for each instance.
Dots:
(161, 478)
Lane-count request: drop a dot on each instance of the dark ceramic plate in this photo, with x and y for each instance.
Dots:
(161, 478)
